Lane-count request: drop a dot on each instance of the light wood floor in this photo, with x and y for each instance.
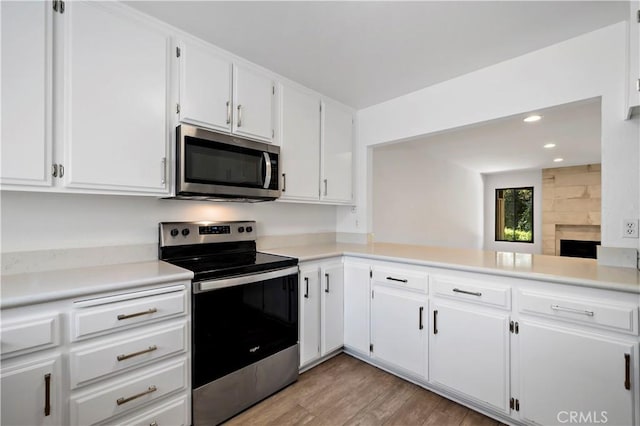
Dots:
(347, 391)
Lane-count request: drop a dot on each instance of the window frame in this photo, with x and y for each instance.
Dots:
(495, 215)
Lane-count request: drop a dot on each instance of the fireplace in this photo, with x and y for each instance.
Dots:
(579, 248)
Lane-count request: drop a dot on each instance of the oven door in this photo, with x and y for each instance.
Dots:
(213, 164)
(241, 320)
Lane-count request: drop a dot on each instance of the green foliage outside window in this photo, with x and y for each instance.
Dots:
(514, 214)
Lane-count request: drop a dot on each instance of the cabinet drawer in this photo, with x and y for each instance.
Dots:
(174, 413)
(102, 402)
(135, 311)
(114, 355)
(401, 278)
(471, 291)
(623, 318)
(29, 335)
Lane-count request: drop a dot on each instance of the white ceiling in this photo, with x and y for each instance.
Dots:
(363, 53)
(510, 144)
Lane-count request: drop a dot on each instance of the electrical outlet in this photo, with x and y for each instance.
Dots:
(630, 228)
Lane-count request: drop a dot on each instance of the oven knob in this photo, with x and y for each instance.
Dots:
(241, 229)
(185, 232)
(174, 232)
(249, 228)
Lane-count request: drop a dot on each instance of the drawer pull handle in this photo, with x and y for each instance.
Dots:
(121, 401)
(137, 314)
(131, 355)
(435, 321)
(326, 290)
(397, 279)
(47, 394)
(571, 310)
(420, 326)
(306, 291)
(472, 293)
(627, 371)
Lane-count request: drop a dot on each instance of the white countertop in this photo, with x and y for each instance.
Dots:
(38, 287)
(564, 270)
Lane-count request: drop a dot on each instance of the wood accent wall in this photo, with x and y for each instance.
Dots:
(571, 205)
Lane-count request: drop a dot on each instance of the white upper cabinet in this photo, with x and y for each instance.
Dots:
(26, 92)
(633, 99)
(116, 97)
(337, 153)
(300, 144)
(253, 101)
(205, 87)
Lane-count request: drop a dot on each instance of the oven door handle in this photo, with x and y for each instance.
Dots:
(267, 168)
(204, 286)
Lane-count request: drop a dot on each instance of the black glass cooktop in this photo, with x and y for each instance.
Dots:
(213, 261)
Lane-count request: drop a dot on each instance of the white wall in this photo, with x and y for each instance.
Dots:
(512, 180)
(36, 221)
(418, 199)
(585, 67)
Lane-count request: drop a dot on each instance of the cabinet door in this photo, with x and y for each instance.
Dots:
(469, 352)
(25, 388)
(26, 32)
(337, 153)
(398, 329)
(564, 371)
(332, 285)
(116, 75)
(300, 144)
(356, 299)
(205, 88)
(253, 94)
(309, 314)
(633, 99)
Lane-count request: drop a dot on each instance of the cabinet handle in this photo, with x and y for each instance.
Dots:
(239, 115)
(397, 279)
(163, 179)
(326, 290)
(420, 326)
(325, 187)
(228, 112)
(123, 400)
(571, 310)
(306, 292)
(284, 182)
(61, 168)
(137, 314)
(473, 293)
(47, 394)
(627, 371)
(142, 352)
(435, 321)
(54, 170)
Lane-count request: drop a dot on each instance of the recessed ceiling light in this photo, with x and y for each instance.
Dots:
(532, 118)
(558, 160)
(549, 145)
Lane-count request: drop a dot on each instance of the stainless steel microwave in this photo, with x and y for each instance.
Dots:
(215, 166)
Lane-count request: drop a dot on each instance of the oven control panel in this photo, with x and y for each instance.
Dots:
(186, 233)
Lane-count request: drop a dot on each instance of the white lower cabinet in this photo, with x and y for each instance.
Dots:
(321, 313)
(31, 392)
(469, 352)
(398, 331)
(309, 313)
(569, 374)
(356, 302)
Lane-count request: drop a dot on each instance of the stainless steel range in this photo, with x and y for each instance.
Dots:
(244, 315)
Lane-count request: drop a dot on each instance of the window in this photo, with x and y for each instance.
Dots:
(514, 214)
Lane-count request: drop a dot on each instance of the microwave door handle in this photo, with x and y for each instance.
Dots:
(267, 167)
